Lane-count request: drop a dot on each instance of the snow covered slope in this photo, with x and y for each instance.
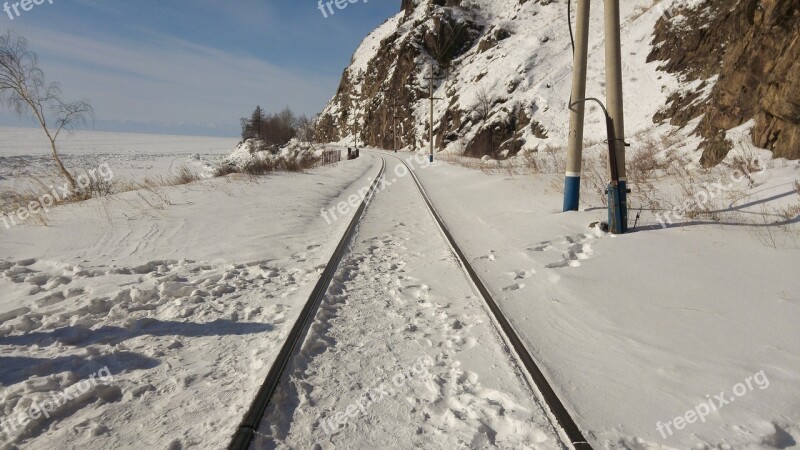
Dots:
(507, 69)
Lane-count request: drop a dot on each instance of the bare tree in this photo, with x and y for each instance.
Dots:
(306, 127)
(23, 88)
(485, 103)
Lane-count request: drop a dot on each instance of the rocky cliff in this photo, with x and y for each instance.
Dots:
(501, 74)
(750, 50)
(457, 46)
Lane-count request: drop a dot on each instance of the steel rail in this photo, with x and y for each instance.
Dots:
(549, 395)
(246, 431)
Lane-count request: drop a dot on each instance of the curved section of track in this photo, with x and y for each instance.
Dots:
(558, 409)
(247, 429)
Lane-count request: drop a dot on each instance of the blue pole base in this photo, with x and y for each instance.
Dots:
(572, 193)
(617, 208)
(431, 158)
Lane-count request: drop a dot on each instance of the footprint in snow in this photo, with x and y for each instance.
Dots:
(514, 287)
(542, 247)
(521, 274)
(576, 249)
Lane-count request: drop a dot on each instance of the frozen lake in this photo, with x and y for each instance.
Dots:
(25, 153)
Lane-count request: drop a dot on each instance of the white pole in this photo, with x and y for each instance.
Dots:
(572, 182)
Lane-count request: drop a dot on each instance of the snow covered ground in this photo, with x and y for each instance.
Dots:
(637, 330)
(404, 352)
(182, 294)
(151, 318)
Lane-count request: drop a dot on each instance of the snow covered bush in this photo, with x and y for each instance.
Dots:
(253, 157)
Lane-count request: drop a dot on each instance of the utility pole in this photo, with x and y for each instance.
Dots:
(618, 214)
(355, 129)
(394, 125)
(431, 79)
(572, 182)
(615, 123)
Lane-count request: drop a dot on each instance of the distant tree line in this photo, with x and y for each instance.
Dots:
(279, 128)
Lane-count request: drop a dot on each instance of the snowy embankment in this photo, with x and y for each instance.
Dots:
(182, 294)
(642, 333)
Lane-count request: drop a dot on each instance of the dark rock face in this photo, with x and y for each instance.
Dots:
(392, 72)
(380, 116)
(382, 94)
(431, 33)
(754, 48)
(747, 50)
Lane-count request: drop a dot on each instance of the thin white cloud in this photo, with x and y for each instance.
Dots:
(163, 79)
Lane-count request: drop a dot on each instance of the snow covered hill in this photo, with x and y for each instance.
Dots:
(502, 69)
(507, 70)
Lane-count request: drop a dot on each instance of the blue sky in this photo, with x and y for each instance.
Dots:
(193, 66)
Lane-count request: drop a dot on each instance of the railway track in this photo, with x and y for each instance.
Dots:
(557, 408)
(252, 420)
(247, 429)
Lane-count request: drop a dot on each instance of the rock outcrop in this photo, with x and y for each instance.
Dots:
(749, 51)
(501, 74)
(390, 75)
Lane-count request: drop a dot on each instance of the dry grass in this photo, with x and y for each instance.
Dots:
(792, 212)
(33, 197)
(774, 232)
(746, 161)
(463, 161)
(254, 168)
(259, 167)
(150, 195)
(12, 201)
(654, 160)
(182, 176)
(551, 160)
